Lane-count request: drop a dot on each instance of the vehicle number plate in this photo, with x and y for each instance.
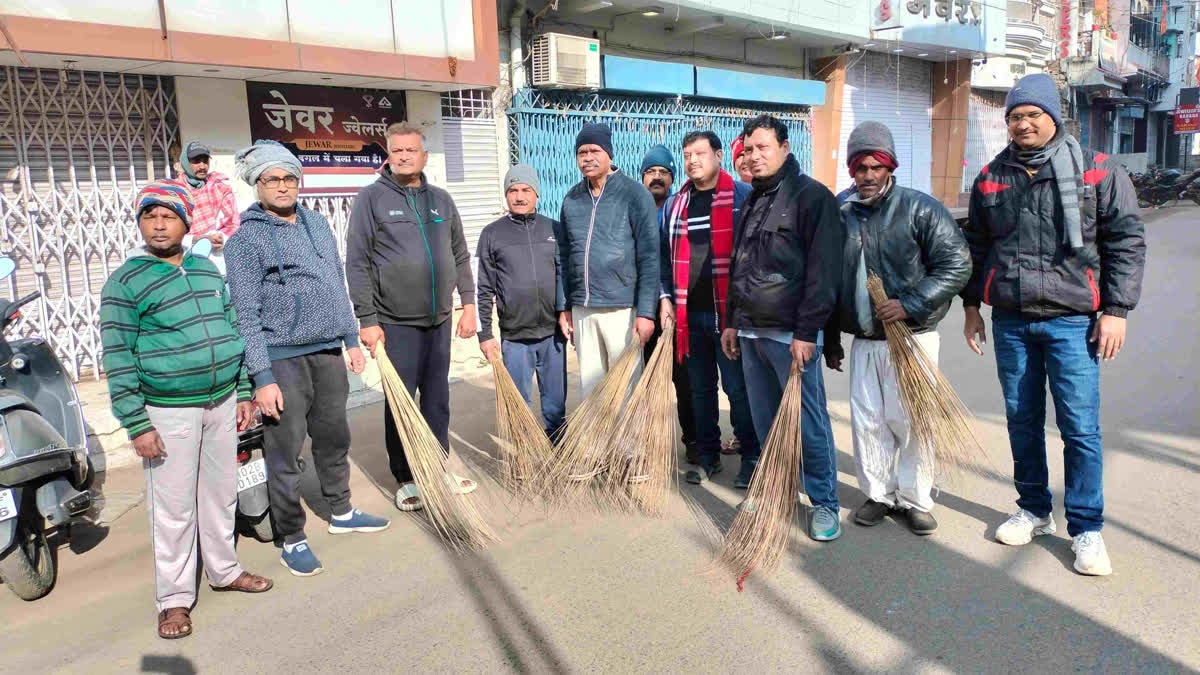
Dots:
(8, 506)
(251, 474)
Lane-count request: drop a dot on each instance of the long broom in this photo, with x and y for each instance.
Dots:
(581, 454)
(760, 530)
(454, 518)
(522, 440)
(642, 455)
(940, 420)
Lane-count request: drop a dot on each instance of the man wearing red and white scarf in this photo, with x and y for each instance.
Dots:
(695, 278)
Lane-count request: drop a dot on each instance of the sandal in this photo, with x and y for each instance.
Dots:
(247, 583)
(179, 618)
(406, 494)
(459, 485)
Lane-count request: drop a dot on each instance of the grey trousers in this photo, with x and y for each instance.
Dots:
(191, 495)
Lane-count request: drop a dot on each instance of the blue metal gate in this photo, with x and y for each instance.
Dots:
(543, 124)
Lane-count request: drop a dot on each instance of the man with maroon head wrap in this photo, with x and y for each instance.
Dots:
(910, 240)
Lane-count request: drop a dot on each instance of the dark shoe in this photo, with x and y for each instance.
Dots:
(921, 522)
(699, 475)
(871, 513)
(744, 476)
(693, 453)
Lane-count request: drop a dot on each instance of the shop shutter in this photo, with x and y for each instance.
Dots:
(897, 93)
(472, 165)
(987, 133)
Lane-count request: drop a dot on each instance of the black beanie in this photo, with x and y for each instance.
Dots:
(595, 133)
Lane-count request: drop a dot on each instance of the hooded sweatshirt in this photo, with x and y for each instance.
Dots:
(406, 254)
(289, 288)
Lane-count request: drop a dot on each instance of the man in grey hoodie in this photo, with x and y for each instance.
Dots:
(608, 250)
(405, 256)
(286, 281)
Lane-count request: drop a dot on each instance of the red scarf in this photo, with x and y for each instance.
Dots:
(721, 221)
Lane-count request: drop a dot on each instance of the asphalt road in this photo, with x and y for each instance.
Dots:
(581, 592)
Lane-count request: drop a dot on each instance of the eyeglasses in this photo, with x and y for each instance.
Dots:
(1014, 120)
(273, 182)
(656, 172)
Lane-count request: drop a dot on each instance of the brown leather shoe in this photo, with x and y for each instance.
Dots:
(247, 583)
(174, 623)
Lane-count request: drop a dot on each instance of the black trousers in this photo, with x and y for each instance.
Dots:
(422, 358)
(314, 388)
(683, 388)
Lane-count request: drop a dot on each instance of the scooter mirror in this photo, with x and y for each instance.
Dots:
(202, 248)
(7, 267)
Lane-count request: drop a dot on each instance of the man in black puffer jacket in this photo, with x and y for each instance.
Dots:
(783, 281)
(913, 244)
(1056, 237)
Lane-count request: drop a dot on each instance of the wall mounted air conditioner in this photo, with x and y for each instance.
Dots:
(566, 61)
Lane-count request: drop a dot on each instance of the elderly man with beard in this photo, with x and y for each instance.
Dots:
(1059, 250)
(288, 284)
(608, 247)
(697, 246)
(783, 284)
(912, 243)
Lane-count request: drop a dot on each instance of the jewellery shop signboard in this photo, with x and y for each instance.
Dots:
(326, 127)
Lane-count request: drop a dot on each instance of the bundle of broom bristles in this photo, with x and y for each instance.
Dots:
(617, 448)
(940, 420)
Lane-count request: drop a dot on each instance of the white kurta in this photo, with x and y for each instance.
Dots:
(887, 457)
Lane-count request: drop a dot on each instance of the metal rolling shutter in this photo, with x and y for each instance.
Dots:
(987, 133)
(872, 92)
(472, 164)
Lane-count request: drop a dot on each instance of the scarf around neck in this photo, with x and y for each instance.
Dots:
(1066, 161)
(721, 224)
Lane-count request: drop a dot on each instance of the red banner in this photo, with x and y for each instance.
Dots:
(1187, 119)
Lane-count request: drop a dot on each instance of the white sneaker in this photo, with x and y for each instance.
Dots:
(1022, 526)
(1091, 557)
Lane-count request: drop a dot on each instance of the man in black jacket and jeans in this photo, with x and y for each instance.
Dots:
(912, 243)
(405, 256)
(518, 268)
(1058, 247)
(783, 283)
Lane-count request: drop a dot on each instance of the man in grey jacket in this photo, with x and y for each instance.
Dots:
(405, 256)
(608, 248)
(286, 281)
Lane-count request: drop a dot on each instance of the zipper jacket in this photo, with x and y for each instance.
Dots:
(1015, 231)
(287, 283)
(608, 246)
(170, 339)
(406, 254)
(518, 268)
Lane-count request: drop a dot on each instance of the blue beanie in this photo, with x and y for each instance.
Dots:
(595, 133)
(1036, 89)
(659, 155)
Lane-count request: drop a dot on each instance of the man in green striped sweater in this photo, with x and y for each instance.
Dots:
(173, 357)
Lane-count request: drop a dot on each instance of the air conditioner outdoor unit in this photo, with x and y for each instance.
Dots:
(566, 61)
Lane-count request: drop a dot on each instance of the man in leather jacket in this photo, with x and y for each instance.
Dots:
(783, 279)
(911, 242)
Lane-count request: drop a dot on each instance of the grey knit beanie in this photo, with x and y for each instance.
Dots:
(265, 155)
(870, 137)
(522, 174)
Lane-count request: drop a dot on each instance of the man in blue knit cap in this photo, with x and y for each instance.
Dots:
(1058, 252)
(608, 251)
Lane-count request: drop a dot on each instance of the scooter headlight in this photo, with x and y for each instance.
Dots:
(18, 362)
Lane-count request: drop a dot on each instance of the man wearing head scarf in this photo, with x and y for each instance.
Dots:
(608, 246)
(518, 270)
(178, 384)
(912, 243)
(1058, 247)
(215, 215)
(289, 287)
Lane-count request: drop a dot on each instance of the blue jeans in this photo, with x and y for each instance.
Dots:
(1028, 354)
(548, 358)
(704, 360)
(766, 365)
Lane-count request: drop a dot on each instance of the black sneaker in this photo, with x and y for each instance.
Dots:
(871, 513)
(921, 522)
(699, 475)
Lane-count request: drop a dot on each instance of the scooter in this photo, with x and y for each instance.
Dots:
(45, 470)
(253, 504)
